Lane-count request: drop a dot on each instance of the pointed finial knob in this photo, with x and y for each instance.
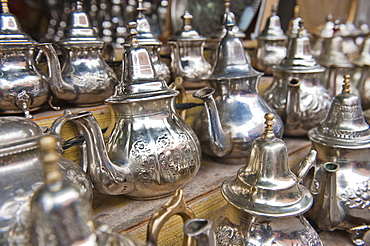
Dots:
(79, 5)
(296, 11)
(269, 130)
(140, 8)
(47, 145)
(227, 6)
(134, 42)
(274, 9)
(4, 6)
(346, 85)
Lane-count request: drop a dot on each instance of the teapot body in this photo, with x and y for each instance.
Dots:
(151, 139)
(269, 53)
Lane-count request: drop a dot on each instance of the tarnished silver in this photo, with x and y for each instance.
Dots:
(23, 85)
(271, 47)
(148, 40)
(228, 124)
(265, 202)
(86, 78)
(337, 64)
(187, 59)
(296, 91)
(362, 74)
(149, 151)
(22, 173)
(340, 188)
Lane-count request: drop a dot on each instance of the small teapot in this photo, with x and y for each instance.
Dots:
(57, 222)
(150, 151)
(228, 124)
(23, 85)
(296, 91)
(86, 78)
(340, 178)
(265, 202)
(22, 173)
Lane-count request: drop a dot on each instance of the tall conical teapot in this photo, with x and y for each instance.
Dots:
(342, 139)
(150, 151)
(23, 85)
(265, 202)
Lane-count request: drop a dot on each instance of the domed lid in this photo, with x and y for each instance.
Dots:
(144, 30)
(332, 53)
(299, 58)
(326, 30)
(362, 57)
(17, 134)
(293, 26)
(231, 62)
(187, 33)
(10, 29)
(345, 125)
(139, 79)
(272, 30)
(266, 185)
(79, 28)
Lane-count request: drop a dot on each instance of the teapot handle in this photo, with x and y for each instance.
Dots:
(175, 206)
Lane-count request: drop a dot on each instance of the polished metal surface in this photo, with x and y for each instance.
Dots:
(272, 42)
(22, 174)
(294, 24)
(187, 59)
(86, 78)
(228, 124)
(265, 200)
(325, 31)
(296, 92)
(23, 85)
(201, 230)
(149, 151)
(343, 138)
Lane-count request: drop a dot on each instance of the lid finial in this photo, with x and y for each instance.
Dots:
(269, 130)
(48, 146)
(4, 6)
(274, 9)
(134, 42)
(346, 85)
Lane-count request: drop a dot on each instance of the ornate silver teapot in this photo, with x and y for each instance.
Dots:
(342, 170)
(271, 44)
(296, 91)
(86, 78)
(265, 202)
(57, 222)
(150, 151)
(322, 32)
(228, 124)
(187, 59)
(23, 85)
(22, 173)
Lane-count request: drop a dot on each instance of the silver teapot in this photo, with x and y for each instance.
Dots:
(149, 151)
(271, 47)
(265, 202)
(340, 178)
(323, 32)
(296, 91)
(86, 78)
(22, 174)
(228, 124)
(187, 59)
(23, 85)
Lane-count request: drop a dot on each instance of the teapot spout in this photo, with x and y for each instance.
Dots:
(108, 177)
(292, 107)
(220, 142)
(201, 230)
(329, 213)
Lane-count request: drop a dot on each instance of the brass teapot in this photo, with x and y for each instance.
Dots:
(340, 178)
(60, 216)
(22, 174)
(23, 85)
(149, 151)
(265, 202)
(229, 122)
(86, 78)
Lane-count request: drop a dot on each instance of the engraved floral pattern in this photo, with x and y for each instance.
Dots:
(359, 198)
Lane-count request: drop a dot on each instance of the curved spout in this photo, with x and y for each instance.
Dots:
(201, 230)
(220, 142)
(329, 213)
(108, 177)
(292, 107)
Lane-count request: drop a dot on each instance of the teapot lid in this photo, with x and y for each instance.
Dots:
(294, 26)
(144, 30)
(11, 31)
(79, 28)
(139, 79)
(362, 57)
(231, 61)
(273, 30)
(299, 58)
(345, 125)
(326, 30)
(187, 33)
(266, 186)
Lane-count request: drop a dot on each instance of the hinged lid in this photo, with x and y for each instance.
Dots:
(272, 30)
